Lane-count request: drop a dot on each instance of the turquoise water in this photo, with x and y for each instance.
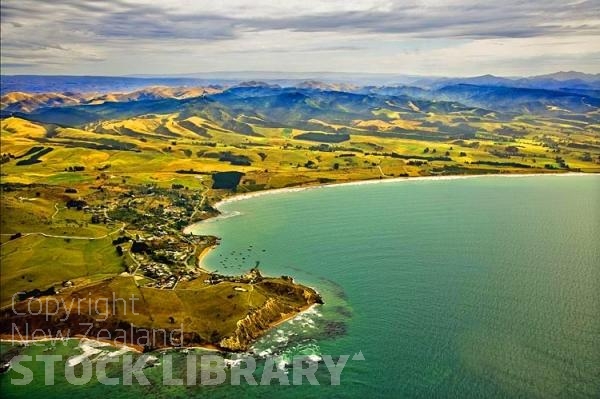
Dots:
(480, 287)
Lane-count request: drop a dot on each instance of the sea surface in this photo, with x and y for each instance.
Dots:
(462, 288)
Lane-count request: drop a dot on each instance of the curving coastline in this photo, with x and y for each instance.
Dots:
(234, 197)
(243, 325)
(254, 325)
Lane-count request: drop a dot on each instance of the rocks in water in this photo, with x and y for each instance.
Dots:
(334, 329)
(343, 311)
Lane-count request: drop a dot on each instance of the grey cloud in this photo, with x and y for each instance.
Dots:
(151, 24)
(481, 20)
(87, 31)
(117, 20)
(506, 19)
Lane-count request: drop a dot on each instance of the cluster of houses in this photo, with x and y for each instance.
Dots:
(153, 236)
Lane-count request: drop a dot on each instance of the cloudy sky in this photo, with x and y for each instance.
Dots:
(451, 37)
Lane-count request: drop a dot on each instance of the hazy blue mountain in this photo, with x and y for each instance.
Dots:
(82, 114)
(410, 91)
(310, 80)
(89, 84)
(522, 100)
(558, 81)
(571, 75)
(313, 107)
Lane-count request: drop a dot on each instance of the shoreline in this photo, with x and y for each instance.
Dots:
(136, 348)
(101, 342)
(243, 196)
(201, 257)
(291, 316)
(234, 197)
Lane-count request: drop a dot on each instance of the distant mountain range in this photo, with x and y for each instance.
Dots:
(556, 81)
(92, 84)
(28, 102)
(309, 105)
(239, 107)
(565, 81)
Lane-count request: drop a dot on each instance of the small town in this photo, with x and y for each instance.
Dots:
(151, 239)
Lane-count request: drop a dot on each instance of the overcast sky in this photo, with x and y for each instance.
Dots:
(452, 38)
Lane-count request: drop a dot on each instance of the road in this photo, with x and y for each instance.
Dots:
(120, 229)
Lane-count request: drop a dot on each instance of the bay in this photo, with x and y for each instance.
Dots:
(478, 287)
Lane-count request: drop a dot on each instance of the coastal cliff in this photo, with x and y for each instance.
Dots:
(274, 311)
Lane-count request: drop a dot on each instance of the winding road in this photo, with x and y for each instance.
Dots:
(120, 229)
